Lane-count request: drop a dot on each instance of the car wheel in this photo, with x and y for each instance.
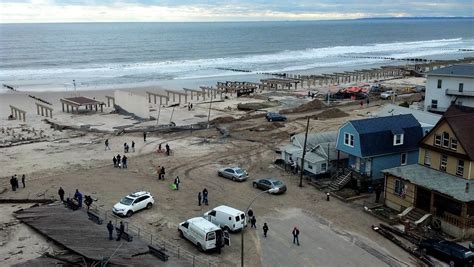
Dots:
(180, 233)
(451, 263)
(149, 205)
(219, 174)
(270, 119)
(233, 178)
(254, 184)
(129, 213)
(200, 247)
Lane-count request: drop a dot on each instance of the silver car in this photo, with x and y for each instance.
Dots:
(234, 173)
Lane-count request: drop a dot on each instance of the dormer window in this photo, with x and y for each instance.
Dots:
(398, 139)
(437, 140)
(348, 139)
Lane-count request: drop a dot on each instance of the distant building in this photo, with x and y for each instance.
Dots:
(427, 120)
(442, 183)
(321, 154)
(453, 84)
(379, 143)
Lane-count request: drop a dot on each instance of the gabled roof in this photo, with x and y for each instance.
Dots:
(461, 121)
(461, 70)
(423, 117)
(447, 184)
(315, 139)
(376, 134)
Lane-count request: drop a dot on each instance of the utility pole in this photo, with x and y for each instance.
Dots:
(304, 153)
(209, 114)
(74, 82)
(158, 117)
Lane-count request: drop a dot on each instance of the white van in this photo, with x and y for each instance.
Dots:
(204, 234)
(227, 218)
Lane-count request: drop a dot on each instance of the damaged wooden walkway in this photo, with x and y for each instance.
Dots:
(74, 231)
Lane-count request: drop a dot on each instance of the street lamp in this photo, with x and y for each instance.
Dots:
(271, 190)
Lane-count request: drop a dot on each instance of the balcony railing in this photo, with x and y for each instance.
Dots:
(463, 93)
(455, 220)
(436, 109)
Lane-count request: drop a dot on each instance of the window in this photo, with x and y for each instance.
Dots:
(445, 139)
(310, 166)
(460, 168)
(461, 87)
(212, 213)
(403, 159)
(237, 218)
(348, 139)
(400, 187)
(454, 144)
(437, 140)
(398, 139)
(443, 163)
(434, 103)
(210, 236)
(440, 82)
(427, 160)
(324, 167)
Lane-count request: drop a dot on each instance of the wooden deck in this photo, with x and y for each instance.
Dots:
(74, 231)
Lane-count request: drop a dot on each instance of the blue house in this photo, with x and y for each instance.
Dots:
(379, 143)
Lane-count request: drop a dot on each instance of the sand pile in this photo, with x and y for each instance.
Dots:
(331, 113)
(224, 119)
(310, 106)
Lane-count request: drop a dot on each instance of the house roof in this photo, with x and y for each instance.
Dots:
(315, 139)
(423, 117)
(441, 182)
(461, 70)
(376, 134)
(461, 121)
(320, 153)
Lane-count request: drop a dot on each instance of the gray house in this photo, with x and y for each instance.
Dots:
(321, 154)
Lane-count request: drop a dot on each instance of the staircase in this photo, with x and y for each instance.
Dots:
(341, 180)
(415, 216)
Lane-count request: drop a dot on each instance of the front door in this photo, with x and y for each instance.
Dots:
(423, 199)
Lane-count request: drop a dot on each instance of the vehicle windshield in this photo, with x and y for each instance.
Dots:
(239, 171)
(126, 201)
(277, 183)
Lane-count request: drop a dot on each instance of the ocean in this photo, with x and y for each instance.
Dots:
(111, 55)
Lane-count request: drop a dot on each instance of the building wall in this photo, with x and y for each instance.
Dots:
(132, 103)
(451, 83)
(451, 167)
(393, 200)
(390, 161)
(348, 128)
(443, 127)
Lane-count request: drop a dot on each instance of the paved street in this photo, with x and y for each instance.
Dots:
(320, 244)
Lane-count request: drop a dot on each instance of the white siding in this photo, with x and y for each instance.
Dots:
(451, 83)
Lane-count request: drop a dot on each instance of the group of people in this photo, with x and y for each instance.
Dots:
(265, 228)
(190, 106)
(126, 148)
(120, 162)
(120, 230)
(75, 203)
(14, 182)
(161, 172)
(167, 149)
(204, 197)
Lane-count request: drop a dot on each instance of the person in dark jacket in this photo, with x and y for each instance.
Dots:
(119, 160)
(296, 233)
(133, 146)
(205, 197)
(167, 149)
(78, 197)
(249, 214)
(177, 182)
(121, 231)
(124, 162)
(110, 228)
(23, 180)
(144, 137)
(115, 161)
(199, 198)
(61, 194)
(265, 229)
(162, 173)
(253, 222)
(12, 183)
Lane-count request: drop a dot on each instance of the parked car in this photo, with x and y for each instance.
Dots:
(204, 234)
(234, 173)
(227, 218)
(387, 94)
(273, 116)
(268, 183)
(450, 252)
(133, 203)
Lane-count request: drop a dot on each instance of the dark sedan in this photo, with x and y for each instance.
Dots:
(449, 252)
(269, 183)
(273, 116)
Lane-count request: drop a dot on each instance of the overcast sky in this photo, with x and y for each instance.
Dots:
(12, 11)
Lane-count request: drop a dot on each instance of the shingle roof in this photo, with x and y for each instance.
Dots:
(461, 121)
(441, 182)
(376, 134)
(423, 117)
(317, 138)
(463, 70)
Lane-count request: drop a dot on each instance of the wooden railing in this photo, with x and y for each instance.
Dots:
(456, 220)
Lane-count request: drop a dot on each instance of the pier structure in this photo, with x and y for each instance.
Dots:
(18, 113)
(211, 92)
(44, 110)
(155, 95)
(109, 99)
(198, 93)
(280, 83)
(76, 102)
(176, 93)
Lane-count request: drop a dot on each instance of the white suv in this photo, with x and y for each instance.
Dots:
(133, 203)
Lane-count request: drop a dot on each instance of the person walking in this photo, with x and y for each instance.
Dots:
(23, 180)
(115, 161)
(249, 214)
(168, 150)
(162, 173)
(119, 161)
(367, 101)
(78, 197)
(265, 229)
(205, 197)
(12, 183)
(107, 144)
(177, 182)
(133, 146)
(110, 228)
(253, 222)
(121, 231)
(15, 181)
(296, 233)
(199, 198)
(61, 194)
(144, 137)
(124, 162)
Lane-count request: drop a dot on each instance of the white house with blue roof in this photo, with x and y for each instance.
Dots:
(376, 144)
